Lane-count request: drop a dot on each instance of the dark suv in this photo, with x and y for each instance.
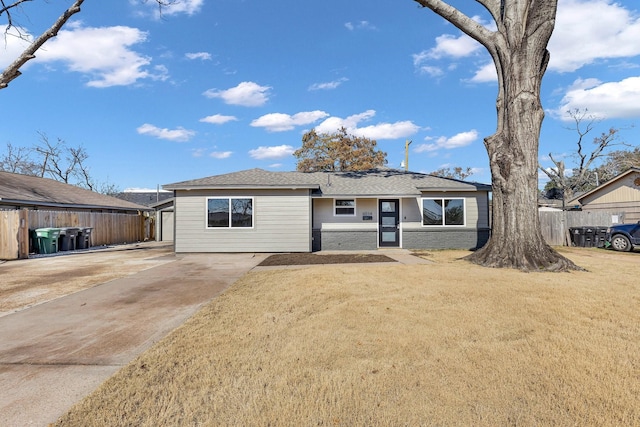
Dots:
(623, 237)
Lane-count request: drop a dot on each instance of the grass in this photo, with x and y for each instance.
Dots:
(448, 343)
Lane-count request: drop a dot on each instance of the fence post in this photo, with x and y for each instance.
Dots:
(23, 234)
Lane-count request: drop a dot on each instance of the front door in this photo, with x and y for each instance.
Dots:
(389, 222)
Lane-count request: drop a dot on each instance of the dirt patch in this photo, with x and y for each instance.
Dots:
(315, 259)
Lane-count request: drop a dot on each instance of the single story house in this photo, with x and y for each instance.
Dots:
(260, 211)
(619, 195)
(34, 193)
(28, 203)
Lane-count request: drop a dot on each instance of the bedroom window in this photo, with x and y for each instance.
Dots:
(346, 207)
(229, 212)
(443, 212)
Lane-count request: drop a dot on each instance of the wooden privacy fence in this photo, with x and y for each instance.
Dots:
(107, 228)
(555, 225)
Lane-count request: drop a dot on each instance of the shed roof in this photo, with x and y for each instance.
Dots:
(25, 190)
(376, 182)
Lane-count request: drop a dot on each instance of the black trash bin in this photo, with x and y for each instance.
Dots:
(601, 234)
(577, 236)
(68, 238)
(83, 240)
(589, 237)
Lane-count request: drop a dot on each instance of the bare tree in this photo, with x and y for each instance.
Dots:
(580, 177)
(18, 160)
(6, 9)
(617, 162)
(55, 160)
(518, 48)
(456, 172)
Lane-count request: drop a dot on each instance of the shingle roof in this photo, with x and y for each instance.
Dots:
(377, 182)
(31, 190)
(145, 198)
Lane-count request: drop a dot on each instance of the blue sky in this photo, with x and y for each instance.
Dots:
(216, 86)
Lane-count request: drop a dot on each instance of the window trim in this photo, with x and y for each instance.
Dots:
(442, 199)
(230, 219)
(335, 207)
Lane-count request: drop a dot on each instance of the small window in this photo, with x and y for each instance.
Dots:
(229, 212)
(345, 207)
(443, 212)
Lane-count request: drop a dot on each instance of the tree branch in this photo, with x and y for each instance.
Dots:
(13, 71)
(462, 21)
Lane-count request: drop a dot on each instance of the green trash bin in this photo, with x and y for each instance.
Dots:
(47, 240)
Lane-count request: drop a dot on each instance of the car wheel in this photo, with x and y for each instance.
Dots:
(619, 242)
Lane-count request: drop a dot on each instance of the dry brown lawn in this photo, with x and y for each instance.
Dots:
(448, 343)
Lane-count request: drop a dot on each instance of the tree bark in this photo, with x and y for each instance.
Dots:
(519, 51)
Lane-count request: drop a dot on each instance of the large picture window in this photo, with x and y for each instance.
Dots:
(229, 212)
(443, 212)
(346, 207)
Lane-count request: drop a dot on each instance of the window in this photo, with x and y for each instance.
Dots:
(345, 207)
(446, 212)
(229, 212)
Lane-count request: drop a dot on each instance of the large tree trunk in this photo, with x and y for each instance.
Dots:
(519, 51)
(521, 59)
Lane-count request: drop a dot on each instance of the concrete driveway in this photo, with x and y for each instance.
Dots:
(54, 354)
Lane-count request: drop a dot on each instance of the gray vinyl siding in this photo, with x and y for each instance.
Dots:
(475, 205)
(281, 223)
(333, 232)
(323, 214)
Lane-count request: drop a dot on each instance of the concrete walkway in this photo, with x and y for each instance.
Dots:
(53, 355)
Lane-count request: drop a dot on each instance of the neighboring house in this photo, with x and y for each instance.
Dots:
(162, 202)
(35, 193)
(28, 203)
(261, 211)
(145, 198)
(620, 195)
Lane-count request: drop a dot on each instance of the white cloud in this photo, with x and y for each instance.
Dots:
(447, 47)
(246, 94)
(459, 140)
(221, 154)
(276, 152)
(218, 119)
(104, 54)
(179, 134)
(588, 30)
(188, 7)
(12, 46)
(485, 74)
(205, 56)
(360, 25)
(450, 46)
(431, 70)
(387, 130)
(328, 85)
(279, 122)
(585, 31)
(603, 100)
(378, 131)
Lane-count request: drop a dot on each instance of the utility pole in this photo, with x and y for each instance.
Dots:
(406, 154)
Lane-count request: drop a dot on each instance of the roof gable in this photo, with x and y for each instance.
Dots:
(607, 186)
